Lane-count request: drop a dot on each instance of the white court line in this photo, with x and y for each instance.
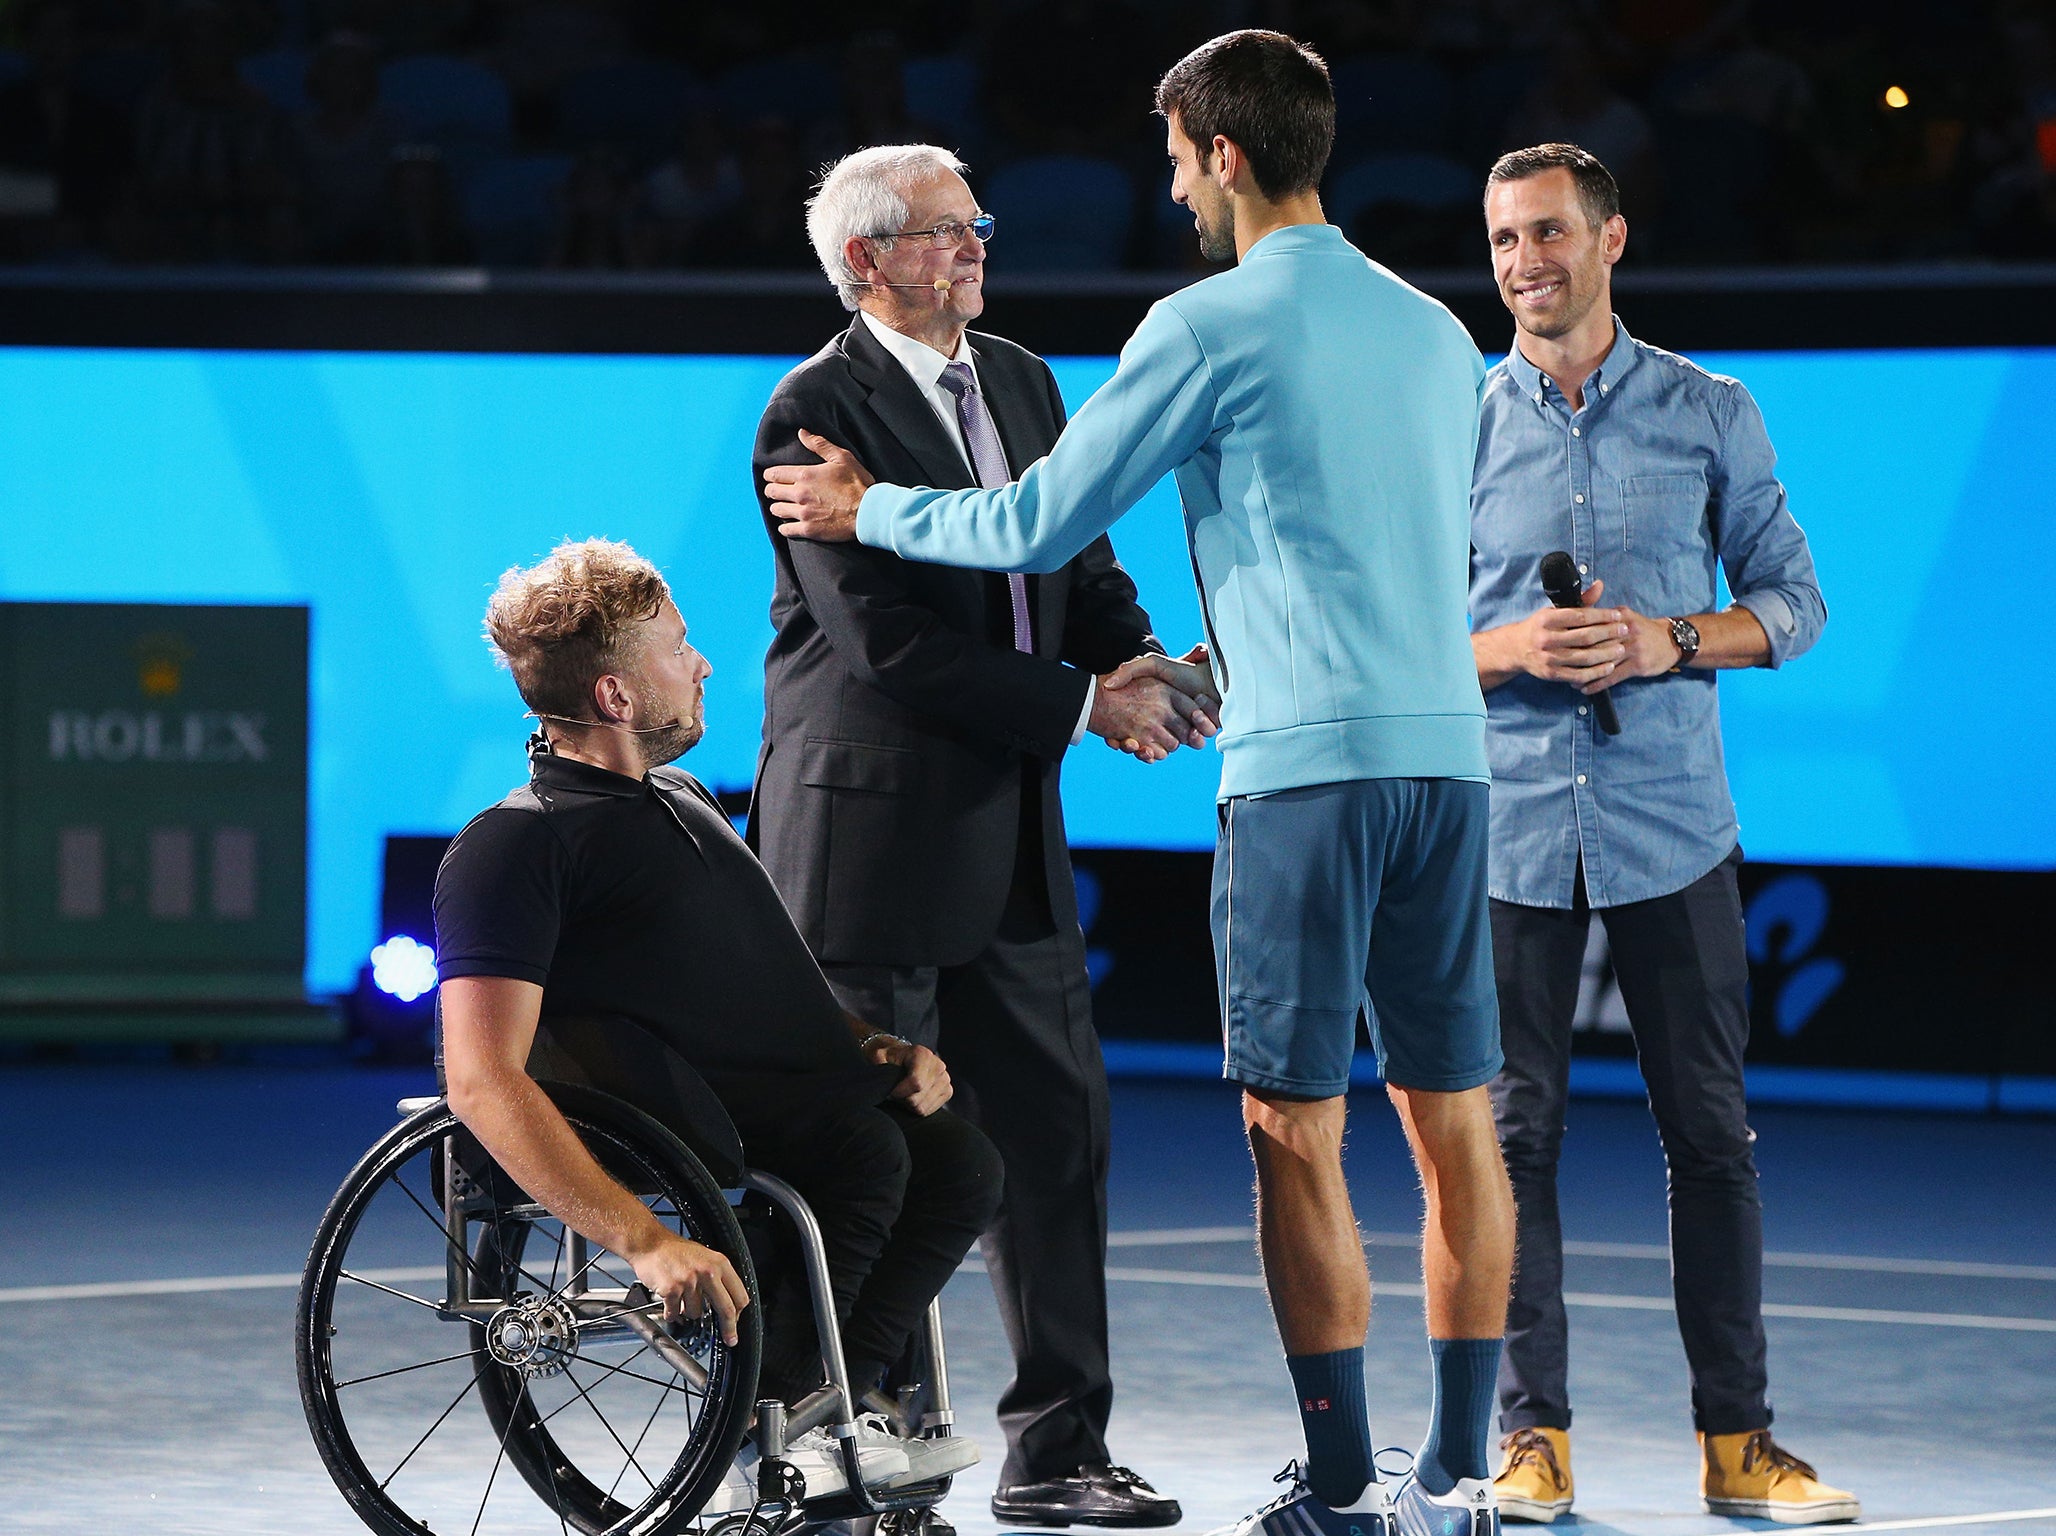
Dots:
(1238, 1282)
(1958, 1268)
(1935, 1522)
(198, 1284)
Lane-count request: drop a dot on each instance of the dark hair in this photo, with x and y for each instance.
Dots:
(1266, 94)
(1597, 190)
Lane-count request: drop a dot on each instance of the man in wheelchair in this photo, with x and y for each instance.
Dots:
(612, 888)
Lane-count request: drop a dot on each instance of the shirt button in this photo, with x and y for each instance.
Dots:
(1583, 711)
(1581, 778)
(1546, 379)
(1574, 431)
(1584, 569)
(1579, 498)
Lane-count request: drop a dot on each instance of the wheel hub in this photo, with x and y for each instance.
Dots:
(535, 1337)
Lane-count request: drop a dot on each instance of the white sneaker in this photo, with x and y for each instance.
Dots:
(1468, 1509)
(944, 1456)
(1296, 1512)
(881, 1456)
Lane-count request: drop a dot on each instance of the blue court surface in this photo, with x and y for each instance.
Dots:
(157, 1218)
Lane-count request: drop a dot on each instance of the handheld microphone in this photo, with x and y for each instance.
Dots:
(1566, 589)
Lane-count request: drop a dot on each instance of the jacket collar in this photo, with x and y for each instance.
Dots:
(897, 402)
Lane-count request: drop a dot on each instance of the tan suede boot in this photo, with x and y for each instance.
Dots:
(1534, 1481)
(1748, 1474)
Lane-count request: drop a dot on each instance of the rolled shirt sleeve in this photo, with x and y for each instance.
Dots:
(1769, 566)
(1155, 413)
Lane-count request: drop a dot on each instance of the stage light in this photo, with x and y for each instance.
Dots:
(403, 968)
(1896, 97)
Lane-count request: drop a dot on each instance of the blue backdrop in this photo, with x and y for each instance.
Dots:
(389, 490)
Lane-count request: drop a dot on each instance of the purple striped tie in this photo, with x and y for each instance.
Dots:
(990, 461)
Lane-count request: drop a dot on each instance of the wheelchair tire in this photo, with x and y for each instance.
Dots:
(590, 1415)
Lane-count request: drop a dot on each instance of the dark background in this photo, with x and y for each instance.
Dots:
(657, 135)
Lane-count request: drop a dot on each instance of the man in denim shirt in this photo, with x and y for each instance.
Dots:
(1653, 475)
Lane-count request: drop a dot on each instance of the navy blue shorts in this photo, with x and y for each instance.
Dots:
(1357, 900)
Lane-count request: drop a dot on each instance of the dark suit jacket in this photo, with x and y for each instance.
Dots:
(898, 719)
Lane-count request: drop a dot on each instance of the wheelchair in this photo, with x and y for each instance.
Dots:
(521, 1353)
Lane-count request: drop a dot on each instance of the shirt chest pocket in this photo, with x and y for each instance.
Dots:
(1663, 514)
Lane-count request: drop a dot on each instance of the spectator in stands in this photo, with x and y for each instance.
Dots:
(343, 143)
(768, 228)
(2015, 207)
(690, 193)
(396, 27)
(874, 102)
(422, 224)
(542, 43)
(1071, 77)
(211, 152)
(596, 215)
(61, 153)
(1731, 115)
(1573, 102)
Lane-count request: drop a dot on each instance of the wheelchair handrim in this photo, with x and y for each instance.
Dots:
(675, 1492)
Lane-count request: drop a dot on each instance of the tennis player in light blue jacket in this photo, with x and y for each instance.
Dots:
(1321, 419)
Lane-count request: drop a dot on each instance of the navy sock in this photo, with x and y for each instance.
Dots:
(1338, 1426)
(1460, 1424)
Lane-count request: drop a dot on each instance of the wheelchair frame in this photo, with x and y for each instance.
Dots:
(485, 1223)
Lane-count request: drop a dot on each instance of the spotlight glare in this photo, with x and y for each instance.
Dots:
(1896, 97)
(403, 968)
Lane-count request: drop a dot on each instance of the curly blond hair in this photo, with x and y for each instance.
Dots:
(561, 624)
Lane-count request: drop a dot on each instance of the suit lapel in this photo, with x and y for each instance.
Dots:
(896, 401)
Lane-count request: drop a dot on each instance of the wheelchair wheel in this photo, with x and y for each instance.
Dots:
(431, 1366)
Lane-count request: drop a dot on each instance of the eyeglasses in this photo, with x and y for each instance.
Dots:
(948, 233)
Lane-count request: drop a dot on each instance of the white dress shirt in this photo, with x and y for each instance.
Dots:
(924, 366)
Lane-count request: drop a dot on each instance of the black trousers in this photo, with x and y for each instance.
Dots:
(1014, 1026)
(900, 1199)
(1683, 974)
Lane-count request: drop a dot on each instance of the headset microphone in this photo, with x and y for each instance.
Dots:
(940, 285)
(612, 725)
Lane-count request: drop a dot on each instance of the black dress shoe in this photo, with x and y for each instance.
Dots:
(1099, 1495)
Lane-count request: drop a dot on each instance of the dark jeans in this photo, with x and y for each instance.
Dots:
(1683, 974)
(900, 1198)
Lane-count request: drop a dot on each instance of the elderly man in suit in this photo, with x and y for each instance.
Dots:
(906, 799)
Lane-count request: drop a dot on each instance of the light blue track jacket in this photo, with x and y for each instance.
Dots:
(1321, 418)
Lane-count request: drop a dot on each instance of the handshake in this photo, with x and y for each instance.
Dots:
(1153, 705)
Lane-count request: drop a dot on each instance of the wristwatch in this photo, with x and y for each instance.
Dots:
(1685, 636)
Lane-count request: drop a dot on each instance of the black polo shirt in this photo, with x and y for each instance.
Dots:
(634, 898)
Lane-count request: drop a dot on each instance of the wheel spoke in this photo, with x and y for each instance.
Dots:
(656, 1409)
(557, 1493)
(438, 1424)
(623, 1370)
(608, 1426)
(500, 1246)
(419, 1301)
(441, 1224)
(401, 1370)
(520, 1398)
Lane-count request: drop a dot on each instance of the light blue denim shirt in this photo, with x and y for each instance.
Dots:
(1665, 472)
(1321, 418)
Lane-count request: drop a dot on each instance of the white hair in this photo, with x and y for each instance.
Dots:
(865, 194)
